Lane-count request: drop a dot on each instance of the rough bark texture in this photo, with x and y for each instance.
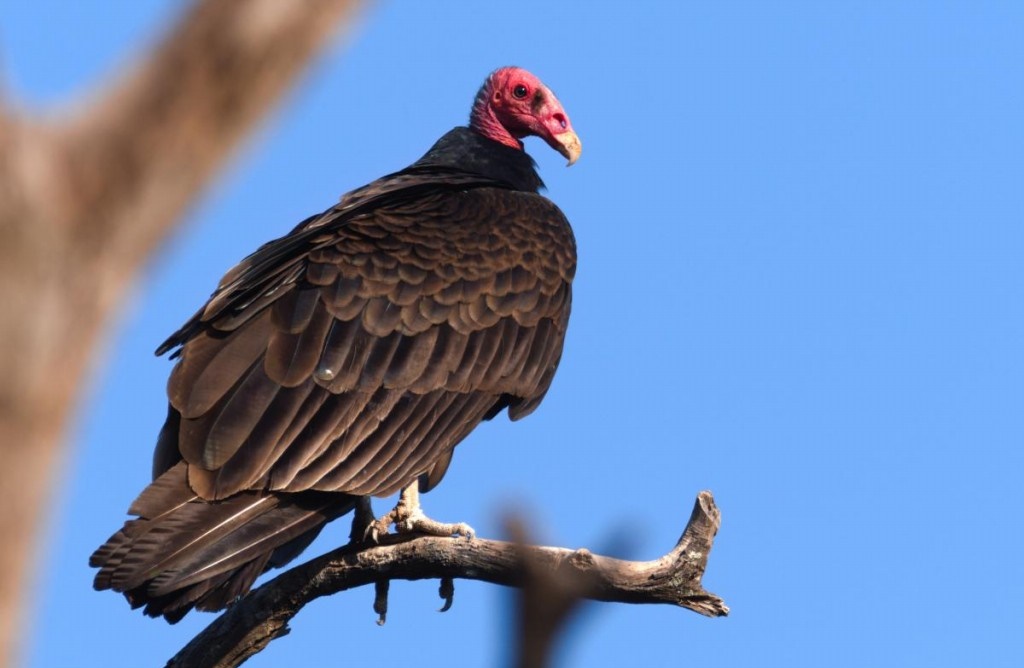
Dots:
(87, 195)
(675, 578)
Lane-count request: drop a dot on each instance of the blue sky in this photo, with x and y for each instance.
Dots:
(800, 286)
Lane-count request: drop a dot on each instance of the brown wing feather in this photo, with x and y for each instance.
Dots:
(437, 442)
(261, 445)
(406, 328)
(320, 433)
(292, 356)
(212, 363)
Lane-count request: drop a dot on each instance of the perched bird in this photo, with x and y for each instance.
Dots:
(348, 358)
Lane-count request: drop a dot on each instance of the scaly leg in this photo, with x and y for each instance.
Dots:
(408, 517)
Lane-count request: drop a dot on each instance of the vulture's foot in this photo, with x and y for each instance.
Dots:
(408, 517)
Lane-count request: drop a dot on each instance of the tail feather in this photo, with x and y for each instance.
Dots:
(210, 595)
(184, 552)
(263, 534)
(196, 529)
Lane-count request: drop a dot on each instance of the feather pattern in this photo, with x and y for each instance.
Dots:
(346, 359)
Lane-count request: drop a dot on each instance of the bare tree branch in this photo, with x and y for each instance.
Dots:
(249, 625)
(85, 198)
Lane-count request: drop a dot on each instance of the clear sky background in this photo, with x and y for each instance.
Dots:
(801, 230)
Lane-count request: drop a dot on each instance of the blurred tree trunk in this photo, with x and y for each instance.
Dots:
(85, 200)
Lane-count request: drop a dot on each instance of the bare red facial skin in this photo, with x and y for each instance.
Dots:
(513, 103)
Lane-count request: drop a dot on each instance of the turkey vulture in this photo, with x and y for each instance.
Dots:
(348, 358)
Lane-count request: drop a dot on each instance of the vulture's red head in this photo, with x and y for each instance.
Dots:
(513, 103)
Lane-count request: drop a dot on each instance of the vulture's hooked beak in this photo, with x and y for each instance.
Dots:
(569, 146)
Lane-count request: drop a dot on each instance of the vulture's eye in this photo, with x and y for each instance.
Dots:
(520, 91)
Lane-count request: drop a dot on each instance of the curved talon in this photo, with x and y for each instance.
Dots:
(362, 519)
(379, 527)
(447, 592)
